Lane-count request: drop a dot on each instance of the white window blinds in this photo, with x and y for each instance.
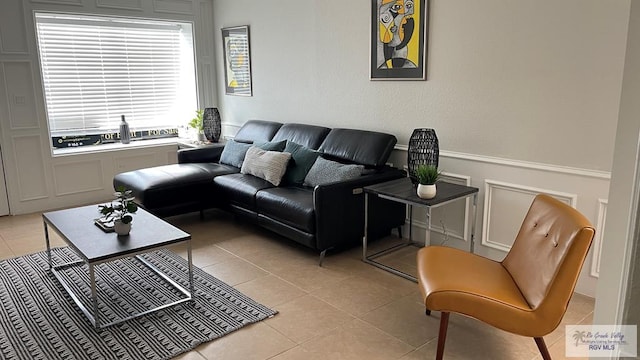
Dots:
(95, 69)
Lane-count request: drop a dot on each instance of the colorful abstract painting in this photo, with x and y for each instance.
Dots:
(237, 72)
(398, 39)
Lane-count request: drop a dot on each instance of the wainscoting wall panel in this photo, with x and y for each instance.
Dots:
(13, 39)
(173, 6)
(32, 182)
(78, 177)
(138, 161)
(506, 189)
(597, 242)
(120, 4)
(59, 2)
(20, 92)
(505, 207)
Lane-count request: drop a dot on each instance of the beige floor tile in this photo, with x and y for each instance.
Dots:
(359, 268)
(5, 250)
(356, 295)
(354, 340)
(254, 342)
(191, 355)
(270, 290)
(235, 271)
(207, 254)
(406, 320)
(307, 317)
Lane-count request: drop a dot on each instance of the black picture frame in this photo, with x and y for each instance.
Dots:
(394, 56)
(237, 61)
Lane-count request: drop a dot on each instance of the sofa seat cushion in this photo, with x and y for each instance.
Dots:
(161, 186)
(241, 189)
(290, 205)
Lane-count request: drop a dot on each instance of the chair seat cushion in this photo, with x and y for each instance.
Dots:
(453, 280)
(290, 205)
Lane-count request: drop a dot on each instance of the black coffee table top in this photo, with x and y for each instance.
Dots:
(77, 227)
(403, 189)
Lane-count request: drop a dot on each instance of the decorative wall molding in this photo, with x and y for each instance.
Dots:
(20, 94)
(29, 163)
(59, 2)
(184, 7)
(135, 162)
(13, 29)
(78, 177)
(120, 4)
(492, 187)
(447, 231)
(597, 242)
(520, 164)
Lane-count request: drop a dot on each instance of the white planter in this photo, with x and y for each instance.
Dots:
(121, 228)
(426, 191)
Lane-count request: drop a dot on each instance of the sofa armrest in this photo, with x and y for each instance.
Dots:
(206, 153)
(339, 209)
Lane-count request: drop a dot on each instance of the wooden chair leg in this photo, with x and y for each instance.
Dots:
(428, 312)
(442, 335)
(543, 348)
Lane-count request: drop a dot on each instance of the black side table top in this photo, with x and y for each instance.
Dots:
(404, 190)
(76, 226)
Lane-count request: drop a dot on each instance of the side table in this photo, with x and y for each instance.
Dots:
(403, 191)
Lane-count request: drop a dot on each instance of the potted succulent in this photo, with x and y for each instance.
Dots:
(198, 125)
(120, 210)
(427, 176)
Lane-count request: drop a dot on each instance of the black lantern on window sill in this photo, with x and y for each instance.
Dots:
(423, 150)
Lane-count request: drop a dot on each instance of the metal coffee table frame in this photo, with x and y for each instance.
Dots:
(401, 190)
(93, 314)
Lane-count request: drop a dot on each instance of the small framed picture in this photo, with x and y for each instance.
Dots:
(398, 39)
(237, 61)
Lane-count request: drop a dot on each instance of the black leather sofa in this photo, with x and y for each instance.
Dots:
(327, 216)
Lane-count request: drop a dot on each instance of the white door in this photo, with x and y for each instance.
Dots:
(4, 198)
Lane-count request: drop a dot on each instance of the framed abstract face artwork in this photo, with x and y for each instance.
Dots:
(398, 39)
(237, 61)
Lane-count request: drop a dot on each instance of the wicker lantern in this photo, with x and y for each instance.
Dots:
(423, 150)
(211, 123)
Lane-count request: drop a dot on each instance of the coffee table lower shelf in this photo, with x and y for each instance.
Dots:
(93, 314)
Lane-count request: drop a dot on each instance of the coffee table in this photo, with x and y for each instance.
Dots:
(94, 246)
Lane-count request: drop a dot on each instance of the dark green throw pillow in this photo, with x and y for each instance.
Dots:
(271, 145)
(302, 159)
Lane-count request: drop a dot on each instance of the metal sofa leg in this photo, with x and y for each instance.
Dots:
(400, 232)
(322, 255)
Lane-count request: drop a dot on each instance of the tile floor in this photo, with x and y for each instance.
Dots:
(344, 310)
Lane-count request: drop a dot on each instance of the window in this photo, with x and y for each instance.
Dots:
(95, 69)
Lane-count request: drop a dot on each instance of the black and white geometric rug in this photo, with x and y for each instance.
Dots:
(38, 319)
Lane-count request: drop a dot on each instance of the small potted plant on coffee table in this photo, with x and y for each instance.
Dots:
(120, 210)
(427, 176)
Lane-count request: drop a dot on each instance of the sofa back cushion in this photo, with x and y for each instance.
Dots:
(310, 136)
(257, 131)
(368, 148)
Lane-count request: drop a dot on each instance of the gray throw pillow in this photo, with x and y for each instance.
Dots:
(268, 165)
(302, 159)
(326, 171)
(233, 153)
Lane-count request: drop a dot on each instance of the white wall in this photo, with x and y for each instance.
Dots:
(36, 179)
(523, 95)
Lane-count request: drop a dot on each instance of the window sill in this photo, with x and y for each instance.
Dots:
(140, 144)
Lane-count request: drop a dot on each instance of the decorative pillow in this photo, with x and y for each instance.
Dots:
(233, 153)
(271, 145)
(326, 171)
(302, 159)
(268, 165)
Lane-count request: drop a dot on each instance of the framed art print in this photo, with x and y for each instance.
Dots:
(398, 39)
(237, 61)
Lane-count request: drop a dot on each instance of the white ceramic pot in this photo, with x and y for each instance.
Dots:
(121, 228)
(426, 191)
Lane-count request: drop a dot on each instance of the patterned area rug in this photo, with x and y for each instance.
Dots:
(39, 320)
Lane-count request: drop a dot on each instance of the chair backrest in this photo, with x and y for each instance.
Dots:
(547, 255)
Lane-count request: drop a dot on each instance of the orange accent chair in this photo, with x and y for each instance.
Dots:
(528, 292)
